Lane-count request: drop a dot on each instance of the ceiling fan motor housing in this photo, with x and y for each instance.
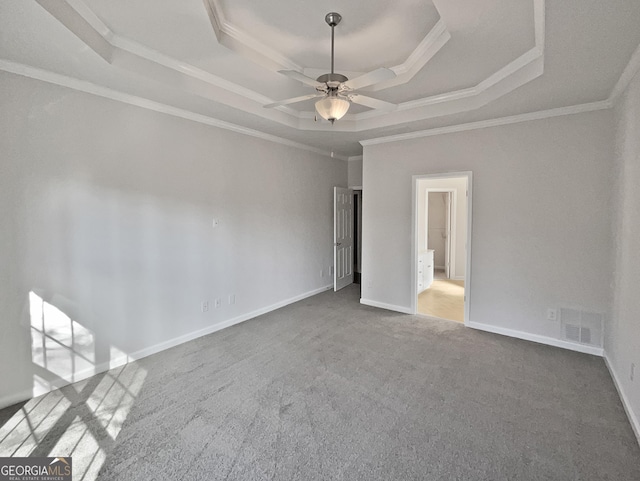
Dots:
(333, 80)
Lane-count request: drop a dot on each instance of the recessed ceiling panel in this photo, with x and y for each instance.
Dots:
(503, 30)
(182, 31)
(179, 29)
(372, 34)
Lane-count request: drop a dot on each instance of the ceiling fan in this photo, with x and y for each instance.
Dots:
(336, 90)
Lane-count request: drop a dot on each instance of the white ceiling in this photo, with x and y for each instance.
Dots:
(456, 60)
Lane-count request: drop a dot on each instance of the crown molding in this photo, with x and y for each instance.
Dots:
(539, 23)
(632, 68)
(483, 124)
(439, 106)
(243, 43)
(100, 91)
(526, 60)
(425, 51)
(136, 101)
(530, 65)
(115, 49)
(137, 58)
(520, 71)
(98, 37)
(123, 52)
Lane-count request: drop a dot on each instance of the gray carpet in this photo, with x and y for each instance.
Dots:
(329, 389)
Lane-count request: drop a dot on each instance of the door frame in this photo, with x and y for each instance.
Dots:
(414, 238)
(449, 256)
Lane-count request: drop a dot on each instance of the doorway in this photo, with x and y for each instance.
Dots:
(441, 245)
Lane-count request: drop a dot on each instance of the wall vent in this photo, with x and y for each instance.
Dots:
(581, 326)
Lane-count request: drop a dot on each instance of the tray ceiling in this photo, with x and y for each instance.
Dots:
(220, 58)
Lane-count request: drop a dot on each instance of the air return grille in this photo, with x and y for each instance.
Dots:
(581, 326)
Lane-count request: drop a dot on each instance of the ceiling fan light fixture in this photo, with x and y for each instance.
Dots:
(332, 108)
(336, 89)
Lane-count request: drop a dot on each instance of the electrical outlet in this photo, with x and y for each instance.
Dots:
(204, 306)
(632, 371)
(218, 303)
(321, 273)
(552, 314)
(232, 299)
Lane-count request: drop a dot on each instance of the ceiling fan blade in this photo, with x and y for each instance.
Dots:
(372, 103)
(301, 78)
(293, 100)
(373, 77)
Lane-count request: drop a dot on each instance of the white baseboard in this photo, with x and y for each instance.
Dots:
(382, 305)
(550, 341)
(14, 398)
(633, 419)
(222, 325)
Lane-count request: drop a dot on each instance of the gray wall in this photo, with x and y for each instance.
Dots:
(542, 203)
(107, 211)
(623, 336)
(355, 172)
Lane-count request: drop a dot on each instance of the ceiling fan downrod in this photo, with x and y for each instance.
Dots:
(332, 19)
(332, 80)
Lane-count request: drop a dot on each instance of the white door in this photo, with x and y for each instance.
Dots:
(342, 237)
